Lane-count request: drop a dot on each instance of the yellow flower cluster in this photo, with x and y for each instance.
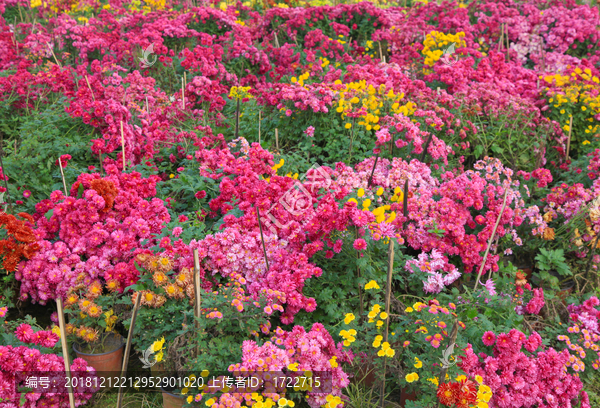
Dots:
(278, 165)
(368, 101)
(379, 212)
(300, 80)
(386, 350)
(332, 401)
(348, 336)
(110, 320)
(157, 347)
(412, 377)
(436, 42)
(156, 4)
(579, 92)
(372, 285)
(374, 312)
(240, 92)
(348, 318)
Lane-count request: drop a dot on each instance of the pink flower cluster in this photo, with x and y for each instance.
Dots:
(519, 379)
(44, 338)
(441, 273)
(313, 351)
(18, 363)
(586, 314)
(93, 236)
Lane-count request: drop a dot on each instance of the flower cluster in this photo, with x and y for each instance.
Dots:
(92, 234)
(519, 379)
(464, 393)
(296, 350)
(18, 363)
(434, 266)
(44, 338)
(20, 242)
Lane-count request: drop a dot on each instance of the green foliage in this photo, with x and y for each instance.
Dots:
(44, 136)
(551, 264)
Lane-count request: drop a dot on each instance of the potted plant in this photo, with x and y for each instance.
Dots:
(92, 323)
(553, 271)
(171, 340)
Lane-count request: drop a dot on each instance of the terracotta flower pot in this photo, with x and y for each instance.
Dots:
(158, 371)
(171, 400)
(405, 395)
(107, 362)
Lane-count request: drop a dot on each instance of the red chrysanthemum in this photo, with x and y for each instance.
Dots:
(448, 394)
(489, 338)
(467, 394)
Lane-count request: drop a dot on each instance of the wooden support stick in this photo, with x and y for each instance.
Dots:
(237, 118)
(147, 106)
(62, 174)
(136, 307)
(487, 251)
(501, 40)
(65, 349)
(91, 90)
(388, 296)
(3, 170)
(570, 133)
(373, 170)
(123, 144)
(360, 294)
(277, 139)
(262, 238)
(182, 94)
(259, 120)
(197, 293)
(54, 55)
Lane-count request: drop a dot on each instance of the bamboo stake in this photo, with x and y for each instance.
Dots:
(507, 47)
(426, 147)
(388, 296)
(262, 238)
(276, 41)
(237, 118)
(65, 349)
(259, 120)
(405, 202)
(136, 307)
(3, 170)
(54, 55)
(88, 84)
(182, 94)
(62, 174)
(487, 251)
(147, 106)
(277, 139)
(501, 39)
(123, 144)
(592, 249)
(373, 170)
(569, 139)
(360, 294)
(197, 293)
